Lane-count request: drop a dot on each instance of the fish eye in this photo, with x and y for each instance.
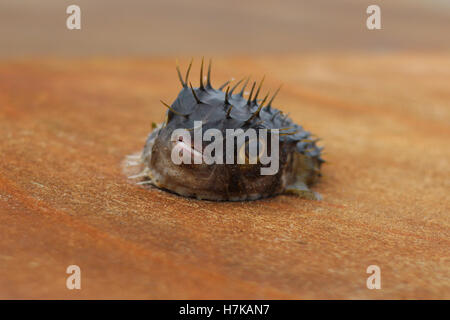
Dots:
(246, 156)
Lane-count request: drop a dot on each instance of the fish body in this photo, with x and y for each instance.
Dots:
(234, 178)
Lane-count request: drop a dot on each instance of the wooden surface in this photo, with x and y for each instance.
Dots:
(66, 126)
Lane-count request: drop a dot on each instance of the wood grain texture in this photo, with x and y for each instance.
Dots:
(66, 126)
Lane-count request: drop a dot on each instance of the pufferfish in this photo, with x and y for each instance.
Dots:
(298, 154)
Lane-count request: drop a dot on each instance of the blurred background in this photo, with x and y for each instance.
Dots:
(30, 28)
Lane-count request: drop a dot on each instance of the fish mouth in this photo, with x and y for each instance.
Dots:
(198, 157)
(188, 149)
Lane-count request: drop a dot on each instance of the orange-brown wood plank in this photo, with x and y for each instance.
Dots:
(66, 126)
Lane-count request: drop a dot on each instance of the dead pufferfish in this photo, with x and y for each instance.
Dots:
(299, 156)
